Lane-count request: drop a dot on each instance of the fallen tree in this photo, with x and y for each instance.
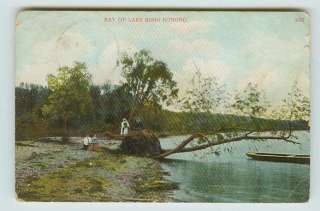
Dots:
(146, 143)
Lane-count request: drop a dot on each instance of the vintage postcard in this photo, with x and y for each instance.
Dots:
(162, 106)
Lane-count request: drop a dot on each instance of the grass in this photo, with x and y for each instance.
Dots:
(109, 177)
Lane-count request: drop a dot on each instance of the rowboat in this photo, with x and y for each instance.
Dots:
(290, 158)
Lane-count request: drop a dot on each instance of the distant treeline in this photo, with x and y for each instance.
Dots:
(110, 104)
(71, 104)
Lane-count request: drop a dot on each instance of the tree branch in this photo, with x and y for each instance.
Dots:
(181, 147)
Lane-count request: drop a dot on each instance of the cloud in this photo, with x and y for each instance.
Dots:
(62, 50)
(271, 48)
(275, 64)
(266, 76)
(275, 82)
(35, 74)
(303, 80)
(199, 46)
(262, 56)
(48, 56)
(199, 54)
(208, 68)
(106, 68)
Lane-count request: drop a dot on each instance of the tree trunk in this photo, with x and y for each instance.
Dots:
(145, 142)
(66, 131)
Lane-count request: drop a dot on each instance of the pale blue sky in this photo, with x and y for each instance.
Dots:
(269, 48)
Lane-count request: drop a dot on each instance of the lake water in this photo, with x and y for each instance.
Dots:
(230, 176)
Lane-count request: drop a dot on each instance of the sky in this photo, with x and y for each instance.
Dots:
(267, 48)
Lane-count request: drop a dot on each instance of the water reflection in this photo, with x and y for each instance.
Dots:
(232, 177)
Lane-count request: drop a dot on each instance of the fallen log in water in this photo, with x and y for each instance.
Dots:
(146, 143)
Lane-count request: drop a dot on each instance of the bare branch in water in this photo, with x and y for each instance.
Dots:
(210, 143)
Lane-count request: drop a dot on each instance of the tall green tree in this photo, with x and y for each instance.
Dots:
(149, 81)
(69, 96)
(205, 95)
(250, 102)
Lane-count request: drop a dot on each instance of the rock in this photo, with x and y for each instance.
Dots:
(142, 143)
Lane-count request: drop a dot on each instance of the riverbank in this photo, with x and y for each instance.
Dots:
(49, 170)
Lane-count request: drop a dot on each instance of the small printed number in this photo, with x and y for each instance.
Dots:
(300, 19)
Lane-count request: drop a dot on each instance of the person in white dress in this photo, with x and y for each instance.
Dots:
(86, 142)
(124, 127)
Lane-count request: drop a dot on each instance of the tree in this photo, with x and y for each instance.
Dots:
(206, 95)
(148, 80)
(296, 106)
(29, 98)
(118, 104)
(69, 96)
(250, 101)
(96, 99)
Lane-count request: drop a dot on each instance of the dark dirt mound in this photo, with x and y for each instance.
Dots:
(142, 143)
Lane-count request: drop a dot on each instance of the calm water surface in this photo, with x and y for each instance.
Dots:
(230, 176)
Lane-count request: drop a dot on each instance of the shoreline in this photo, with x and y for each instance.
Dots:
(87, 176)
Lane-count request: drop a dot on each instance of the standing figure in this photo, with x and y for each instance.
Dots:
(124, 127)
(86, 142)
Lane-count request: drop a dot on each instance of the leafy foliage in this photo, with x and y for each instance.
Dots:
(206, 95)
(250, 101)
(296, 106)
(148, 80)
(71, 103)
(117, 104)
(69, 96)
(29, 98)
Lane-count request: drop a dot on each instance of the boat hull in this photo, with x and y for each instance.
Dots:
(303, 159)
